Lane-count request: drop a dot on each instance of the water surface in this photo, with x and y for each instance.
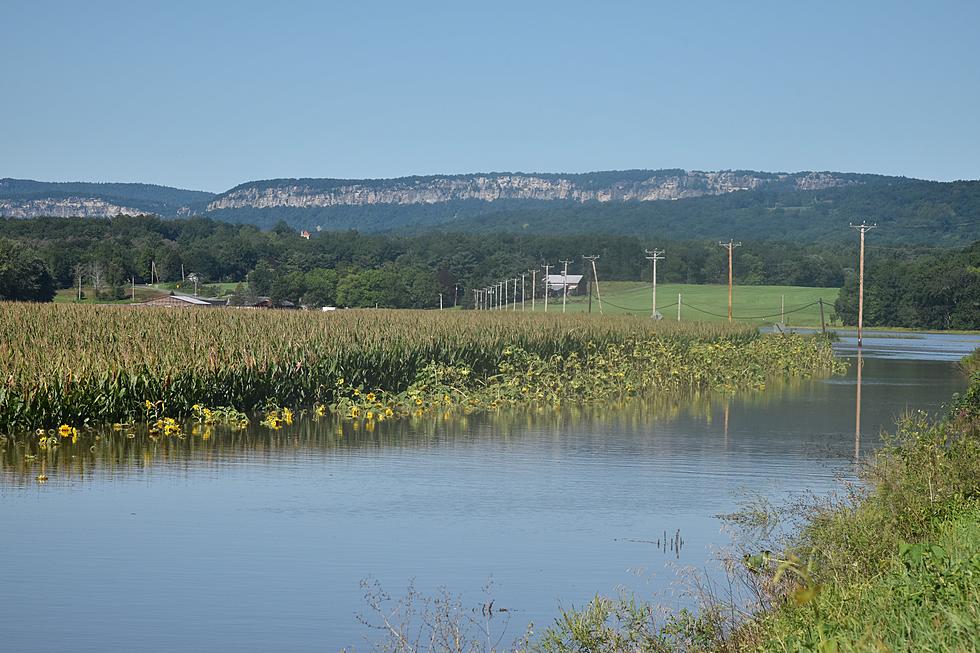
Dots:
(257, 541)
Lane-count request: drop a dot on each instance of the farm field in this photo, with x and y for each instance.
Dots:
(105, 364)
(752, 304)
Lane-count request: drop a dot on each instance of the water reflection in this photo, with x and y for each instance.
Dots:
(859, 364)
(269, 533)
(113, 453)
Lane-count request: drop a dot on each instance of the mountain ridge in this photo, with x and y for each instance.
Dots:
(672, 203)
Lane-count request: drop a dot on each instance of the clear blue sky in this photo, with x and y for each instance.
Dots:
(210, 94)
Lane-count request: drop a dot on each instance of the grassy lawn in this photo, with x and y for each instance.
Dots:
(756, 304)
(143, 292)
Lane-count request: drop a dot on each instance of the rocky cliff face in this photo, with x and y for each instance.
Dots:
(84, 207)
(489, 188)
(28, 199)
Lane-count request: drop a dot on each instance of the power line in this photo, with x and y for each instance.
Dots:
(863, 228)
(595, 275)
(730, 246)
(653, 256)
(564, 284)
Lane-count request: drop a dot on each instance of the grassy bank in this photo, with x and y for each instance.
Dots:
(72, 364)
(751, 304)
(892, 566)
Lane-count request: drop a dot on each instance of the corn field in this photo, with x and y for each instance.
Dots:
(82, 365)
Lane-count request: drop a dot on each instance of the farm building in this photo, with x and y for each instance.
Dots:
(555, 282)
(181, 301)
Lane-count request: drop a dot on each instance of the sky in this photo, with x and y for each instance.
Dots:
(207, 95)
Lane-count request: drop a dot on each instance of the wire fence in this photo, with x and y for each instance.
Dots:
(780, 314)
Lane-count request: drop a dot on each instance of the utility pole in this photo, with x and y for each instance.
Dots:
(823, 325)
(440, 301)
(654, 255)
(534, 286)
(455, 294)
(863, 228)
(595, 276)
(678, 307)
(523, 274)
(564, 285)
(730, 246)
(134, 290)
(547, 277)
(515, 294)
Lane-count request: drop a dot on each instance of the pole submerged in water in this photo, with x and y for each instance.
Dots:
(863, 228)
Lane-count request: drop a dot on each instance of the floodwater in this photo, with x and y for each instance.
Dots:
(258, 540)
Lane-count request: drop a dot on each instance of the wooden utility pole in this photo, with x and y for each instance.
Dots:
(823, 325)
(863, 228)
(564, 285)
(654, 255)
(523, 274)
(678, 307)
(534, 286)
(546, 267)
(595, 277)
(515, 293)
(730, 246)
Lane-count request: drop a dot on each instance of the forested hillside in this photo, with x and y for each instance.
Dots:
(937, 291)
(375, 268)
(659, 204)
(26, 198)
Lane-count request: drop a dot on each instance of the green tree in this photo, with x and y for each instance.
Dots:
(24, 276)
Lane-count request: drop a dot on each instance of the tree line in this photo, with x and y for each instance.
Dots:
(931, 291)
(349, 268)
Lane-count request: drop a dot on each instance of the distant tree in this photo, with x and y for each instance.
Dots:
(260, 279)
(24, 276)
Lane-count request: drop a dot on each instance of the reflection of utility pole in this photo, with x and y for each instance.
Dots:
(857, 409)
(595, 276)
(564, 284)
(654, 255)
(863, 228)
(730, 246)
(547, 283)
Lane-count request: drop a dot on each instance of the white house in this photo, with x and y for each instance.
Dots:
(557, 281)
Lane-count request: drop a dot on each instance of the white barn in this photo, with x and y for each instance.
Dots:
(556, 281)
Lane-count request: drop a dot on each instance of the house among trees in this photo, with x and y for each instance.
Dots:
(557, 281)
(304, 234)
(182, 301)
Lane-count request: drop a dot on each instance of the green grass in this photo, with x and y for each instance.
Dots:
(70, 296)
(926, 597)
(753, 304)
(143, 292)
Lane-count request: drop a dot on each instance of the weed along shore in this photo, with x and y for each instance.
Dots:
(80, 366)
(892, 565)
